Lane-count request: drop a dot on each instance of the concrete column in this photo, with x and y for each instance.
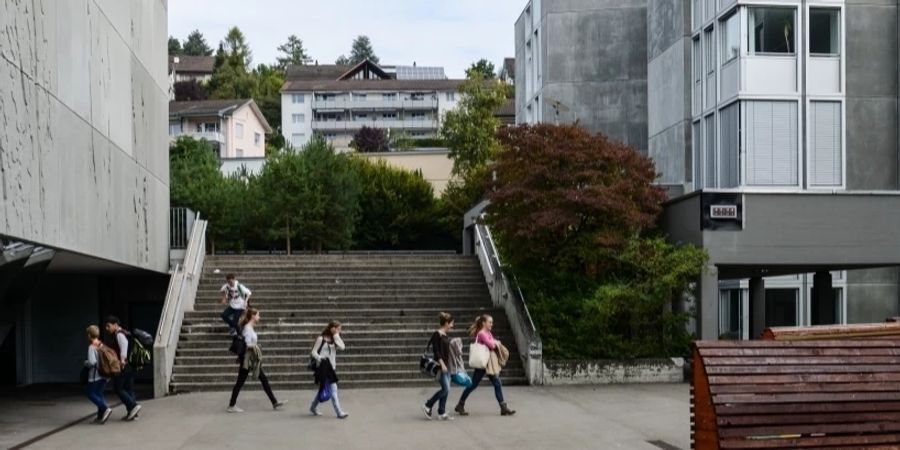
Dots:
(757, 307)
(822, 300)
(708, 304)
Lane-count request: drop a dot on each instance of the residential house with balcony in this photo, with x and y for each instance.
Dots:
(337, 101)
(186, 68)
(236, 128)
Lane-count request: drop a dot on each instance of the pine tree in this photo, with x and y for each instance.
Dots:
(362, 50)
(294, 52)
(195, 45)
(174, 46)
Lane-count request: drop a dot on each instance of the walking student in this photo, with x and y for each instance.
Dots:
(124, 382)
(237, 297)
(481, 330)
(440, 345)
(96, 383)
(250, 362)
(324, 351)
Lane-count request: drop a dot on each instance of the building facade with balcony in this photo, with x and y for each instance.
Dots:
(337, 101)
(237, 129)
(773, 126)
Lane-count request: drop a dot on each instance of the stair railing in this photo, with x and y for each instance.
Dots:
(505, 293)
(180, 297)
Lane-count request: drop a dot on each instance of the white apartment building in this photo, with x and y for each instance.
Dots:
(337, 101)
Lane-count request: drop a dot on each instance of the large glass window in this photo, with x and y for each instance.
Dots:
(729, 146)
(730, 314)
(709, 53)
(781, 307)
(772, 30)
(731, 38)
(824, 31)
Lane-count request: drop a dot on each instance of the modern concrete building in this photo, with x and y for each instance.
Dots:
(84, 177)
(337, 101)
(586, 62)
(237, 129)
(773, 124)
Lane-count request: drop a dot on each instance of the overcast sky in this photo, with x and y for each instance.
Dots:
(448, 33)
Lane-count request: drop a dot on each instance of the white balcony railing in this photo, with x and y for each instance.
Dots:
(211, 136)
(374, 103)
(409, 124)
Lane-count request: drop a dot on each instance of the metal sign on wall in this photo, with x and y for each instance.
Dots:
(722, 211)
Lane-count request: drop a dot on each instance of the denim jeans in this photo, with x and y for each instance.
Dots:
(124, 386)
(440, 396)
(95, 395)
(335, 401)
(231, 316)
(476, 378)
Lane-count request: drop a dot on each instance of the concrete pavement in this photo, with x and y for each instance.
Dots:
(594, 417)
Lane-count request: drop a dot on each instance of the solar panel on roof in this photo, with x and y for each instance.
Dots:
(420, 73)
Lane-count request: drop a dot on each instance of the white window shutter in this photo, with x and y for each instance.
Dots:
(710, 157)
(697, 145)
(772, 143)
(729, 156)
(825, 144)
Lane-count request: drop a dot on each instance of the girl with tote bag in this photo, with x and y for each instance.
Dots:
(490, 365)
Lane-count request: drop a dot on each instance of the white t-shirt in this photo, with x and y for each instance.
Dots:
(250, 336)
(236, 295)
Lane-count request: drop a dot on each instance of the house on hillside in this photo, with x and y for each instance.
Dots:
(236, 128)
(337, 101)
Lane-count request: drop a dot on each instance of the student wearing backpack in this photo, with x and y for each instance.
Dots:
(481, 330)
(440, 345)
(96, 382)
(237, 297)
(250, 362)
(124, 381)
(324, 352)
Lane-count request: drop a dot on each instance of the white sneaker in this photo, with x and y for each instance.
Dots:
(133, 413)
(314, 411)
(427, 411)
(234, 409)
(343, 415)
(446, 416)
(105, 416)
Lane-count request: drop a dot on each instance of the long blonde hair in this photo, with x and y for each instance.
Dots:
(478, 325)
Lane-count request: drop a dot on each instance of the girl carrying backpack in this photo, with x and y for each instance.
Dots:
(324, 357)
(250, 362)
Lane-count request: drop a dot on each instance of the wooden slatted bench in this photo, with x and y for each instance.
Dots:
(795, 394)
(887, 330)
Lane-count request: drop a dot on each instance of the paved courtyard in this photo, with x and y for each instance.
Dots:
(582, 417)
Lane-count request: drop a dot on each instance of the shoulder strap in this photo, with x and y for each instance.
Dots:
(319, 351)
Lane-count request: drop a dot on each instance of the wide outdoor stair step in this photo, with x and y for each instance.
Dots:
(280, 386)
(388, 304)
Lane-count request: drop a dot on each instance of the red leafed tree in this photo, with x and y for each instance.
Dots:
(566, 200)
(370, 140)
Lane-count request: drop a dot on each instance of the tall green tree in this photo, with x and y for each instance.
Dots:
(397, 208)
(174, 46)
(267, 94)
(281, 185)
(362, 50)
(293, 53)
(470, 130)
(230, 78)
(483, 69)
(237, 50)
(195, 45)
(342, 60)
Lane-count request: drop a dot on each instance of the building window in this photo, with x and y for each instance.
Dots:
(771, 138)
(360, 97)
(298, 98)
(781, 307)
(731, 38)
(451, 96)
(709, 53)
(771, 30)
(417, 96)
(709, 159)
(257, 138)
(696, 154)
(418, 116)
(824, 31)
(239, 130)
(298, 139)
(729, 146)
(174, 128)
(825, 144)
(698, 75)
(392, 115)
(298, 118)
(389, 97)
(731, 317)
(239, 153)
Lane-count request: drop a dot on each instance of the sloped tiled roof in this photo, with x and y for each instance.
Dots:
(371, 85)
(205, 107)
(193, 64)
(315, 72)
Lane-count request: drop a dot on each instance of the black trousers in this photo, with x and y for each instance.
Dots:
(242, 377)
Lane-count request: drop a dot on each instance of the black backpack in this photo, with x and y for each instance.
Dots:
(139, 345)
(238, 346)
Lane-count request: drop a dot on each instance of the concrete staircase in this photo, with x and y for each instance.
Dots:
(388, 304)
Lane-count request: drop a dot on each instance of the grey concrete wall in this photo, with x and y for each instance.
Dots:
(872, 89)
(521, 72)
(809, 229)
(669, 88)
(872, 295)
(83, 118)
(596, 65)
(872, 140)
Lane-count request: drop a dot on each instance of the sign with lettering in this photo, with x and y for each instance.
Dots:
(723, 211)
